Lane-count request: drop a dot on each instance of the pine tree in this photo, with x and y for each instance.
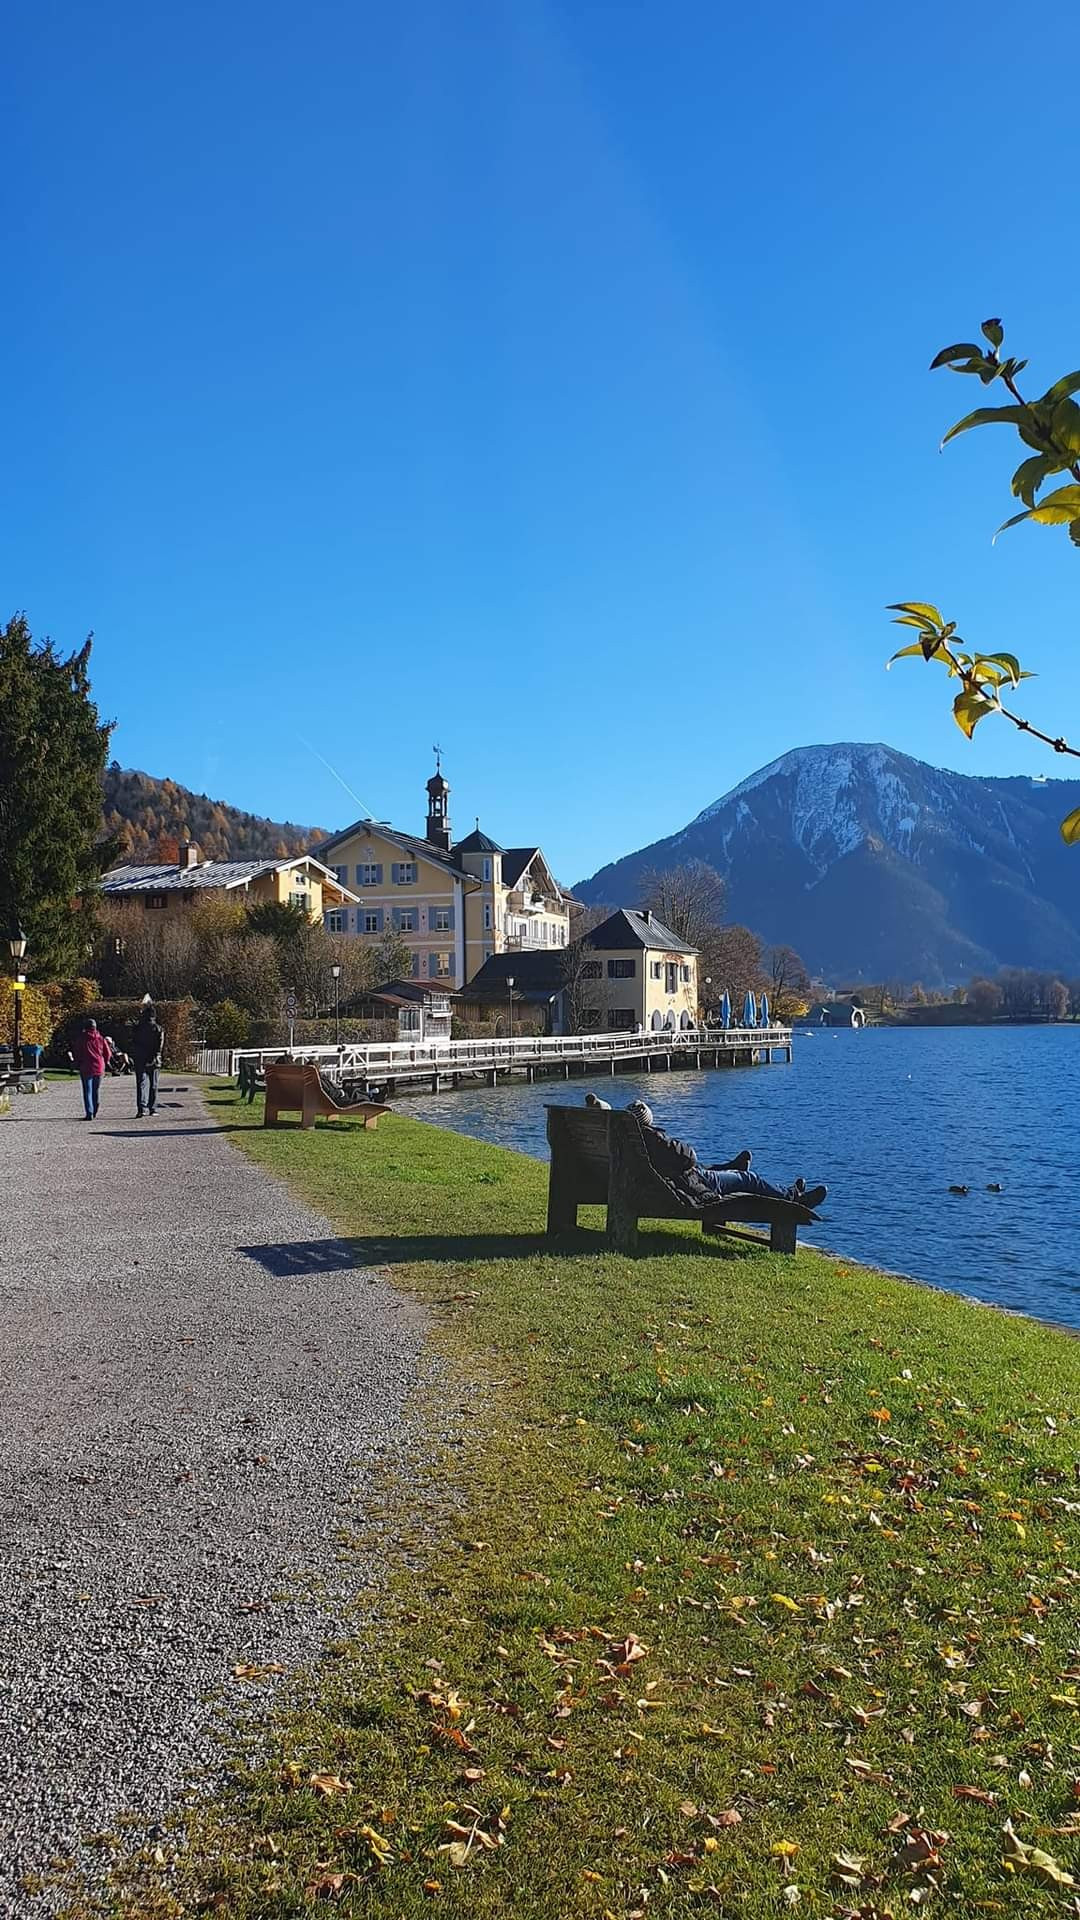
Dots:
(52, 760)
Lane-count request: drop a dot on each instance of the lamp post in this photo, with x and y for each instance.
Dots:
(510, 1003)
(17, 943)
(708, 996)
(336, 971)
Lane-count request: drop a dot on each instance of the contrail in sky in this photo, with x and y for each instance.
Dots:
(366, 812)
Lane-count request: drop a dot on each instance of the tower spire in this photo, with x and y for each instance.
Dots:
(438, 815)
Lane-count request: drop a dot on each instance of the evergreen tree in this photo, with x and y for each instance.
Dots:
(52, 761)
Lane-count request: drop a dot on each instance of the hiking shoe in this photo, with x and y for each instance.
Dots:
(741, 1162)
(812, 1196)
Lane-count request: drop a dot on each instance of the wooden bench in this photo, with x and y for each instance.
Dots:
(600, 1159)
(294, 1088)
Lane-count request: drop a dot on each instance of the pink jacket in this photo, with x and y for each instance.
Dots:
(91, 1051)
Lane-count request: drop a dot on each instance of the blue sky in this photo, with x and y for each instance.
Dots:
(544, 378)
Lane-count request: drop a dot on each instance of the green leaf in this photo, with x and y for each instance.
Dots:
(994, 332)
(903, 653)
(968, 709)
(1065, 426)
(1030, 475)
(1070, 827)
(1057, 509)
(930, 616)
(1007, 660)
(967, 349)
(1061, 389)
(1014, 522)
(1074, 532)
(985, 417)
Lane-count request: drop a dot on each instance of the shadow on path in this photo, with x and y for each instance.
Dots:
(287, 1258)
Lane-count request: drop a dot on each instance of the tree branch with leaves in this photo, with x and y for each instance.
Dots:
(1050, 427)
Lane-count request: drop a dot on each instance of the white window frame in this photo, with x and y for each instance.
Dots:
(406, 873)
(335, 920)
(371, 923)
(440, 922)
(401, 927)
(444, 969)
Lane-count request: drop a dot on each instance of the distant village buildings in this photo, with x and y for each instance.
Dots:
(455, 906)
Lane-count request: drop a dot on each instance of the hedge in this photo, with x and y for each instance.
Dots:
(119, 1018)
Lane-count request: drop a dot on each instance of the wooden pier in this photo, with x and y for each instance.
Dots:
(436, 1066)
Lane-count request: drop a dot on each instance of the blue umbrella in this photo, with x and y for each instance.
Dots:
(749, 1012)
(765, 1010)
(725, 1009)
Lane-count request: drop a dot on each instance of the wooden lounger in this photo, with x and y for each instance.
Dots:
(601, 1159)
(292, 1088)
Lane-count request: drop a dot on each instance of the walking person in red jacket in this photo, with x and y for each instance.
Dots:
(90, 1052)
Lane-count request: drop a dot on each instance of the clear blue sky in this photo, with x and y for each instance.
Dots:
(547, 377)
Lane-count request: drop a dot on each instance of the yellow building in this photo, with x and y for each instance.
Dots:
(300, 881)
(628, 975)
(453, 906)
(635, 973)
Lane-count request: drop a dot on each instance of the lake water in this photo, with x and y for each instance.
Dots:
(890, 1118)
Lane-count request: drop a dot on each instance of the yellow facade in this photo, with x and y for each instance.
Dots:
(171, 892)
(640, 987)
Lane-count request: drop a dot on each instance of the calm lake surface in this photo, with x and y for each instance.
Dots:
(890, 1118)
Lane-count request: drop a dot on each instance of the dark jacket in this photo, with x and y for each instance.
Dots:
(146, 1044)
(676, 1162)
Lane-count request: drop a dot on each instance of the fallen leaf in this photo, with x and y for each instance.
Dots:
(329, 1784)
(980, 1794)
(729, 1818)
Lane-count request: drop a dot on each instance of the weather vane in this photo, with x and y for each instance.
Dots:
(437, 751)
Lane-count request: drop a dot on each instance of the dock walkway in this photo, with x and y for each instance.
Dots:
(435, 1065)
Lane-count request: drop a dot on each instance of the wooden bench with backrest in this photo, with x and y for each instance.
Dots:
(292, 1087)
(600, 1158)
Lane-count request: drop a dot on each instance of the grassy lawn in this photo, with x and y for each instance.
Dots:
(760, 1595)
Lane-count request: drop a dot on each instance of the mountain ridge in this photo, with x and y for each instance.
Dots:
(140, 811)
(877, 865)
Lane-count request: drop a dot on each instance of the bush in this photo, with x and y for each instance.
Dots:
(119, 1018)
(37, 1023)
(227, 1025)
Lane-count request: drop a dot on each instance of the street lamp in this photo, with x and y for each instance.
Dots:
(510, 1002)
(708, 996)
(17, 943)
(336, 971)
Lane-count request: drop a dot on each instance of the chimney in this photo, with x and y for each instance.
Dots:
(647, 916)
(189, 856)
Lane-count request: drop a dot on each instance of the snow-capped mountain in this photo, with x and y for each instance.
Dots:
(877, 866)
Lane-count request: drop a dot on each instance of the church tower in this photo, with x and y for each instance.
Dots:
(438, 815)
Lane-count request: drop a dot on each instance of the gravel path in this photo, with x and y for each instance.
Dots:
(194, 1381)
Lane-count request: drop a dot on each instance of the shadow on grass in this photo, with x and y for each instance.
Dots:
(284, 1258)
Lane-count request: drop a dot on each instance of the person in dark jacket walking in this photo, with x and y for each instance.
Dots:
(146, 1045)
(90, 1052)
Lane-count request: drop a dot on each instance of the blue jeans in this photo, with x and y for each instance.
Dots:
(91, 1092)
(145, 1085)
(725, 1182)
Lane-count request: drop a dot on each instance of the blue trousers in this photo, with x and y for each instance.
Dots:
(145, 1086)
(726, 1181)
(91, 1093)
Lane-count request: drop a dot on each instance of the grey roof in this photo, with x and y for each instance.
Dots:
(538, 973)
(208, 874)
(515, 861)
(479, 843)
(410, 843)
(212, 873)
(628, 928)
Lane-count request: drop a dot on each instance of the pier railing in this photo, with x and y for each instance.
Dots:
(383, 1060)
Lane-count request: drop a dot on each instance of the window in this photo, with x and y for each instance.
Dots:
(371, 922)
(656, 969)
(405, 873)
(621, 1019)
(343, 875)
(672, 980)
(369, 874)
(299, 900)
(487, 919)
(406, 920)
(442, 966)
(155, 899)
(409, 1020)
(621, 969)
(487, 869)
(590, 1019)
(335, 921)
(592, 970)
(685, 973)
(441, 920)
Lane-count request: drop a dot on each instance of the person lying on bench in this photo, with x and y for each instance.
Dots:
(676, 1161)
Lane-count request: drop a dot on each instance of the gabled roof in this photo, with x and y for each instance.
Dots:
(628, 928)
(220, 876)
(537, 974)
(410, 843)
(405, 993)
(479, 843)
